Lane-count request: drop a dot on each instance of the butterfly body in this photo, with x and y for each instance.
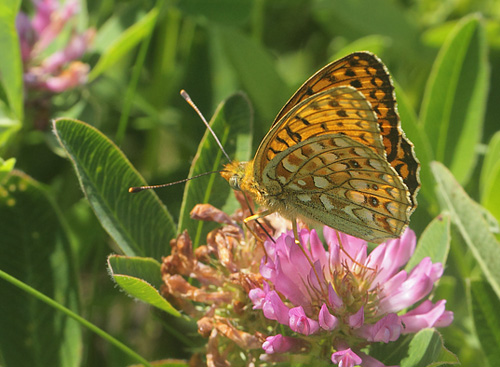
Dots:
(337, 155)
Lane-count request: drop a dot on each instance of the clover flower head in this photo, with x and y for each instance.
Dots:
(343, 296)
(59, 70)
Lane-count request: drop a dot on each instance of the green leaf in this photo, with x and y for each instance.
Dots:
(434, 242)
(232, 123)
(140, 278)
(455, 98)
(490, 177)
(126, 41)
(139, 223)
(11, 70)
(484, 309)
(229, 12)
(257, 72)
(35, 249)
(426, 349)
(468, 217)
(144, 268)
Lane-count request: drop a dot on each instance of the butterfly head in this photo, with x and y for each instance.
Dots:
(234, 173)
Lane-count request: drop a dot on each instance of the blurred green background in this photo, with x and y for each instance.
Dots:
(145, 52)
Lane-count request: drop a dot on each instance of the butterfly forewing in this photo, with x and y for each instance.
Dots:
(342, 183)
(365, 72)
(340, 110)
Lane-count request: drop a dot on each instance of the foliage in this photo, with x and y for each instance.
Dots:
(442, 56)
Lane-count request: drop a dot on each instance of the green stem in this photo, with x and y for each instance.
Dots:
(42, 297)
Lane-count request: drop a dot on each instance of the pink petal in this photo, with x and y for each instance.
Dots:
(257, 296)
(426, 315)
(300, 323)
(390, 256)
(75, 75)
(357, 320)
(316, 279)
(279, 344)
(385, 330)
(275, 309)
(346, 358)
(417, 286)
(73, 50)
(291, 284)
(326, 320)
(43, 15)
(333, 299)
(26, 35)
(318, 251)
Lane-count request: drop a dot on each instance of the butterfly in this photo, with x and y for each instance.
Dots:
(336, 155)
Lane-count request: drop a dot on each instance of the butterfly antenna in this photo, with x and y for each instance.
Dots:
(191, 103)
(141, 188)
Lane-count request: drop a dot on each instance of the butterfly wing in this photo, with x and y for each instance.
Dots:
(341, 110)
(337, 181)
(367, 74)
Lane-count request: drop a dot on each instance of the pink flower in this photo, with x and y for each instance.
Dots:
(60, 70)
(346, 295)
(346, 358)
(300, 323)
(281, 344)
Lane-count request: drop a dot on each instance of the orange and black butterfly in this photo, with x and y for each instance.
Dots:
(336, 154)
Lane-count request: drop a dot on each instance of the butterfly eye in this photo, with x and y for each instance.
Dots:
(234, 182)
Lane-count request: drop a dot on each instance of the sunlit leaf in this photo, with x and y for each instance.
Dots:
(468, 217)
(140, 278)
(455, 99)
(139, 223)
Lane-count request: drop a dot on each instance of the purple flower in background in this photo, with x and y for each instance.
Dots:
(344, 295)
(57, 70)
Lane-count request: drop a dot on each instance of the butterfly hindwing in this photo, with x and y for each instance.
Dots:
(339, 182)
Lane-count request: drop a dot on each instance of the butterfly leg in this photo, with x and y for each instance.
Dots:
(256, 217)
(349, 256)
(297, 241)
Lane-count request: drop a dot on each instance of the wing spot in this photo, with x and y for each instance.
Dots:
(356, 83)
(350, 72)
(296, 137)
(321, 182)
(303, 120)
(282, 141)
(373, 201)
(304, 198)
(354, 163)
(326, 202)
(289, 166)
(392, 208)
(333, 103)
(341, 113)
